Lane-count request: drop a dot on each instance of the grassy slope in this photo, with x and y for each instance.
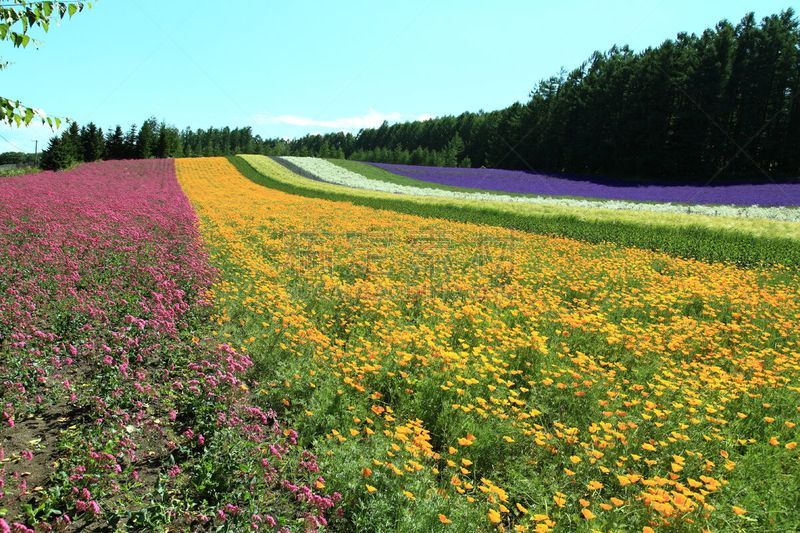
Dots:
(744, 242)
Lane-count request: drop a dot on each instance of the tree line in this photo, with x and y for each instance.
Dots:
(720, 104)
(19, 159)
(150, 139)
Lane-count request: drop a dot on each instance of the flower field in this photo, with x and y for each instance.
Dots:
(519, 181)
(223, 344)
(119, 406)
(324, 170)
(744, 241)
(454, 376)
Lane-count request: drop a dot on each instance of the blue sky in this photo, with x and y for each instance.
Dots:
(290, 68)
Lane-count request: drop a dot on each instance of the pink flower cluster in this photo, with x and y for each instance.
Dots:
(105, 351)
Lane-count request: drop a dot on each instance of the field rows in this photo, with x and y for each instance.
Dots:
(341, 175)
(786, 193)
(224, 344)
(118, 407)
(744, 241)
(451, 374)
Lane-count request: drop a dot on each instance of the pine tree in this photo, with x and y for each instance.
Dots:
(92, 143)
(130, 143)
(60, 153)
(115, 144)
(146, 141)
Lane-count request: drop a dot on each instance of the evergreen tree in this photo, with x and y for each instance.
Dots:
(92, 143)
(678, 111)
(130, 143)
(115, 144)
(168, 143)
(147, 139)
(60, 153)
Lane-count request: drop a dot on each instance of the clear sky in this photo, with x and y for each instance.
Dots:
(290, 68)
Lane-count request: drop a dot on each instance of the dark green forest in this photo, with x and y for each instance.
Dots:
(720, 104)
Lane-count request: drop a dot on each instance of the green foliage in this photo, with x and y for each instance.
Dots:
(89, 144)
(16, 158)
(115, 144)
(17, 19)
(16, 171)
(168, 143)
(92, 143)
(691, 241)
(146, 141)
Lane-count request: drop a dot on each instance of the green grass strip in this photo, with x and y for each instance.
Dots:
(683, 239)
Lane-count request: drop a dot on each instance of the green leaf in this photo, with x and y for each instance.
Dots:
(31, 16)
(29, 114)
(73, 8)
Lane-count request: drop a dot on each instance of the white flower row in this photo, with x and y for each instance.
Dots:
(324, 170)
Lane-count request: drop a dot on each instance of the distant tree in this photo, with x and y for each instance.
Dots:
(453, 151)
(92, 143)
(61, 153)
(16, 158)
(679, 111)
(168, 143)
(115, 144)
(147, 139)
(131, 139)
(72, 143)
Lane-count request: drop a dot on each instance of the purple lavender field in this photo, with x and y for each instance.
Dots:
(523, 182)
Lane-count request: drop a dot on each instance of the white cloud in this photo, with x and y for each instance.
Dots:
(425, 116)
(372, 119)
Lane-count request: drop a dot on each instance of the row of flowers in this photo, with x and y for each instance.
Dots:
(325, 170)
(472, 377)
(119, 407)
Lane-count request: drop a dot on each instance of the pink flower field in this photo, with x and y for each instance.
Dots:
(116, 407)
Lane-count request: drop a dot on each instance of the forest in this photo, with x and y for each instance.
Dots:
(722, 104)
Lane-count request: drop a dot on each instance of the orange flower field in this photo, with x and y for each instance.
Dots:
(460, 377)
